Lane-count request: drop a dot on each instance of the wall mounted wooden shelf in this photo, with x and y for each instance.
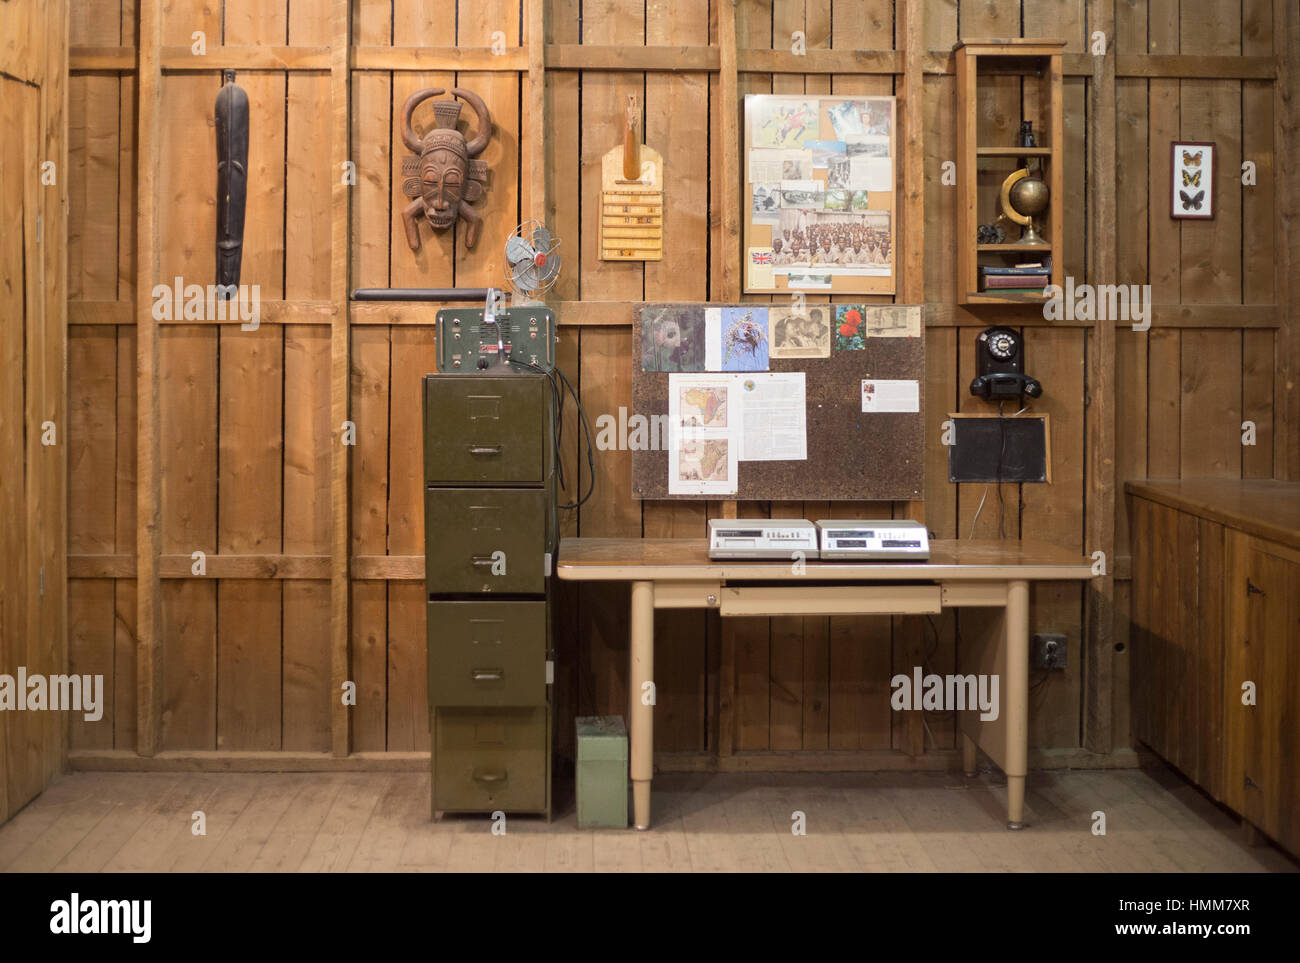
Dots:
(983, 166)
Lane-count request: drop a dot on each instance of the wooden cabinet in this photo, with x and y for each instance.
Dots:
(1261, 762)
(1216, 605)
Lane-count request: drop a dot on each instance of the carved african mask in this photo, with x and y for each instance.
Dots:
(443, 174)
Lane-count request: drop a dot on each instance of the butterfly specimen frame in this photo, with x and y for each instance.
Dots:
(1191, 180)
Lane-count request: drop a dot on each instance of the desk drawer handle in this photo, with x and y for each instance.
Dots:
(489, 777)
(487, 675)
(485, 449)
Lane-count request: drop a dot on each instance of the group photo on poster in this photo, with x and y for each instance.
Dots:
(834, 239)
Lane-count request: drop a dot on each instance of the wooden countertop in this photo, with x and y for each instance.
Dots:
(1261, 507)
(687, 559)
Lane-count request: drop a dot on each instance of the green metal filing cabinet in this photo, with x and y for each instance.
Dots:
(489, 527)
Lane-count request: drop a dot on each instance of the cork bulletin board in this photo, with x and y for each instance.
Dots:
(850, 454)
(820, 177)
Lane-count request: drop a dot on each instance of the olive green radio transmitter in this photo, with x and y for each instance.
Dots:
(468, 344)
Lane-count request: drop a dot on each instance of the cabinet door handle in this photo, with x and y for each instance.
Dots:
(1252, 589)
(485, 449)
(487, 675)
(489, 776)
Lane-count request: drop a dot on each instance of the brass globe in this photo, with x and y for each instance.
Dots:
(1029, 196)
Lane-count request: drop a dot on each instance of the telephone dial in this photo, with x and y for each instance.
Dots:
(1000, 366)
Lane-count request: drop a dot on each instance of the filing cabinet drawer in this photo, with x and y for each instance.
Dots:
(485, 540)
(486, 430)
(487, 653)
(488, 759)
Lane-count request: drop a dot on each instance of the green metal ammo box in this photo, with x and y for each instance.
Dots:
(489, 530)
(601, 778)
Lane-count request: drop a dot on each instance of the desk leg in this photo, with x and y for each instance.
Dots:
(640, 711)
(1017, 700)
(968, 757)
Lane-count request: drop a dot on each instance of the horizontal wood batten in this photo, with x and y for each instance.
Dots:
(615, 313)
(269, 312)
(374, 567)
(513, 59)
(602, 57)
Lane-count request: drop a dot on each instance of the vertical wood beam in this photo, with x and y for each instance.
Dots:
(1100, 414)
(1286, 113)
(728, 87)
(148, 535)
(539, 164)
(54, 207)
(911, 33)
(729, 103)
(339, 372)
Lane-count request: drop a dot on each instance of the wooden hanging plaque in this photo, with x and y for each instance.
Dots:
(632, 211)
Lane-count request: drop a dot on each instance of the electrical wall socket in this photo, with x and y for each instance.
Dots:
(1049, 650)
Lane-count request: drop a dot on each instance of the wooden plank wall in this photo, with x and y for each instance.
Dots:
(35, 420)
(251, 655)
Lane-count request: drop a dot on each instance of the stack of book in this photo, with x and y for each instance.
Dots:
(1022, 279)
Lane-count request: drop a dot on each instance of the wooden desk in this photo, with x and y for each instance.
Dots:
(677, 573)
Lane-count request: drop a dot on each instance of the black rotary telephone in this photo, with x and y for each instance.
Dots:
(1000, 366)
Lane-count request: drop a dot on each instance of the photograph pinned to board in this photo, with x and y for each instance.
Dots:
(704, 426)
(839, 171)
(836, 216)
(796, 165)
(850, 332)
(855, 323)
(785, 122)
(803, 195)
(801, 332)
(767, 201)
(824, 152)
(893, 320)
(672, 339)
(744, 343)
(837, 200)
(843, 243)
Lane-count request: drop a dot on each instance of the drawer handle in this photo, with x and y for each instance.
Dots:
(483, 561)
(485, 449)
(487, 675)
(490, 777)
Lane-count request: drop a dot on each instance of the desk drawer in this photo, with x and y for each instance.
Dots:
(487, 653)
(485, 540)
(488, 759)
(831, 600)
(488, 431)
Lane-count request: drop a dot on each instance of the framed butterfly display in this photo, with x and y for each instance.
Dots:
(1191, 193)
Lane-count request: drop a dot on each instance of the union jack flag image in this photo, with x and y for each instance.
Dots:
(762, 257)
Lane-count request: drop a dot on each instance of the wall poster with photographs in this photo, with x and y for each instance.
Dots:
(820, 174)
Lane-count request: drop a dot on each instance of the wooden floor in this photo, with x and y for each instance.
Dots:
(93, 821)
